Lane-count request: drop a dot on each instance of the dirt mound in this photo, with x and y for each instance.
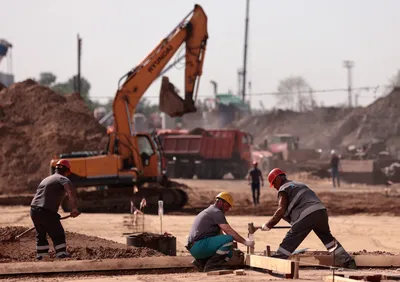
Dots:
(380, 120)
(337, 203)
(328, 128)
(35, 124)
(81, 247)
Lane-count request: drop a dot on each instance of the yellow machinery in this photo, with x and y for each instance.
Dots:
(132, 158)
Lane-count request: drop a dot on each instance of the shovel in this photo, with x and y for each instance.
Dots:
(30, 229)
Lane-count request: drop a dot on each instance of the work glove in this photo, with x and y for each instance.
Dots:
(265, 228)
(249, 243)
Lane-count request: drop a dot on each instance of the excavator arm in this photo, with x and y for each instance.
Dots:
(193, 32)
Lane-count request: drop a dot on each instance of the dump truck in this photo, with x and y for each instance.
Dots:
(208, 154)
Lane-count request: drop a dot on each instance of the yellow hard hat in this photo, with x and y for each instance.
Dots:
(226, 197)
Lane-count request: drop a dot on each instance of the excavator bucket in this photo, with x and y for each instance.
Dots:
(171, 103)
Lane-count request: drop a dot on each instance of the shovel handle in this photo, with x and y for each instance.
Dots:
(30, 229)
(275, 227)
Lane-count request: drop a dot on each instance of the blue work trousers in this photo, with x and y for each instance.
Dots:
(207, 247)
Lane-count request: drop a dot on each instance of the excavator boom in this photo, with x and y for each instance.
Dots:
(193, 32)
(134, 159)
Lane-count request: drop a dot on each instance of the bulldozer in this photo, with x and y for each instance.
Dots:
(132, 167)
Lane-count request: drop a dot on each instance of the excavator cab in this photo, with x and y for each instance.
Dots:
(171, 103)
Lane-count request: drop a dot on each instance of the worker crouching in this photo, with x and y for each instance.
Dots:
(206, 243)
(44, 210)
(301, 207)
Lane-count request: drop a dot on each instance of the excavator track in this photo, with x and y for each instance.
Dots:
(118, 200)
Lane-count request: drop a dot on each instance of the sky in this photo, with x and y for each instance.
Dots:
(309, 38)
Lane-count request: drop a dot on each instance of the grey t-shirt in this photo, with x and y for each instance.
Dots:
(206, 224)
(50, 192)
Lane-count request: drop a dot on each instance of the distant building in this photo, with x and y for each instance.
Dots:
(6, 79)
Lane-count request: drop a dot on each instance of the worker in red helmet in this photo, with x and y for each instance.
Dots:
(255, 177)
(44, 210)
(301, 207)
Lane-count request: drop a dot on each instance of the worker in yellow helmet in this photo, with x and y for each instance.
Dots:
(206, 242)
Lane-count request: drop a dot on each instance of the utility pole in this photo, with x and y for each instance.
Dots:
(245, 50)
(239, 81)
(349, 66)
(78, 83)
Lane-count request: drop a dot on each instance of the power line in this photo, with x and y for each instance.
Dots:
(366, 88)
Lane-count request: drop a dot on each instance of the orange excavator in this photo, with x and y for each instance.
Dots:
(133, 160)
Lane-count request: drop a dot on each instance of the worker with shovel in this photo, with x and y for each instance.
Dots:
(301, 207)
(206, 243)
(44, 210)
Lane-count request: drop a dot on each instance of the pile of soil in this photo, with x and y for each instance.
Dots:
(37, 124)
(81, 247)
(328, 128)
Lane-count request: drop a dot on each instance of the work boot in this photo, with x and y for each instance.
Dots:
(199, 264)
(351, 264)
(38, 257)
(62, 256)
(216, 262)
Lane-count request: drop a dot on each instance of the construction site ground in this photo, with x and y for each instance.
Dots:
(374, 230)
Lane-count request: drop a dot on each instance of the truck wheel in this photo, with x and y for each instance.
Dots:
(240, 174)
(173, 170)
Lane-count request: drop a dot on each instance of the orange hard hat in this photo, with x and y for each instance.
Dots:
(273, 174)
(64, 163)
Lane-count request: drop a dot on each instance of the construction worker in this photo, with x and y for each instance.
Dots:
(335, 164)
(299, 206)
(44, 210)
(206, 243)
(254, 177)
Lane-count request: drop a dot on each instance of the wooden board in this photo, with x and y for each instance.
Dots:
(361, 260)
(330, 278)
(95, 265)
(220, 272)
(282, 266)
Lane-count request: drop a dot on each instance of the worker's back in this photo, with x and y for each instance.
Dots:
(206, 224)
(302, 201)
(50, 192)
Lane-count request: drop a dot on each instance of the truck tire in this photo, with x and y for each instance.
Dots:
(173, 170)
(241, 172)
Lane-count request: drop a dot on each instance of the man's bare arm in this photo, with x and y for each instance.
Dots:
(229, 230)
(71, 195)
(280, 212)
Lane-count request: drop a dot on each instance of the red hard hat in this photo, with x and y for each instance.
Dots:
(273, 174)
(64, 163)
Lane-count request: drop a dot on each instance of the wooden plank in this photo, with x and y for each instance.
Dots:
(95, 265)
(330, 278)
(377, 260)
(240, 272)
(361, 260)
(282, 266)
(220, 272)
